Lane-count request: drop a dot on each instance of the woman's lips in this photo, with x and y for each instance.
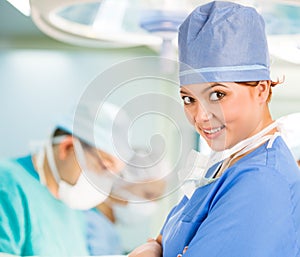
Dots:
(211, 133)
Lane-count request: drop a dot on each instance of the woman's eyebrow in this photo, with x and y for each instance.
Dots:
(183, 92)
(216, 84)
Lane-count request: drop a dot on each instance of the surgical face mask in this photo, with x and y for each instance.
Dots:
(134, 222)
(84, 194)
(193, 174)
(196, 172)
(136, 211)
(40, 159)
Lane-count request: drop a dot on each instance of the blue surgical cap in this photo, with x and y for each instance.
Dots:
(223, 42)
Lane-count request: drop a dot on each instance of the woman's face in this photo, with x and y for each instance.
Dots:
(224, 113)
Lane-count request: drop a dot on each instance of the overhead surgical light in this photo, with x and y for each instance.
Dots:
(127, 23)
(106, 23)
(164, 24)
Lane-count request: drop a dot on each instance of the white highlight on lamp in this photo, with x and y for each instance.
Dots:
(106, 20)
(22, 5)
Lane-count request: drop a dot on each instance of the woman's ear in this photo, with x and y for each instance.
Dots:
(65, 147)
(263, 89)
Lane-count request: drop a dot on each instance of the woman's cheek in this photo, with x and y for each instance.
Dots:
(189, 116)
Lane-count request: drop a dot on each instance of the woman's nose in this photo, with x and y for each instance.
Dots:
(202, 114)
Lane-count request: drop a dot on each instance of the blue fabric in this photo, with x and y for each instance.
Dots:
(102, 236)
(223, 42)
(252, 210)
(32, 221)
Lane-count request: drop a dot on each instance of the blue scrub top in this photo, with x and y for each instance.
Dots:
(252, 210)
(32, 221)
(102, 236)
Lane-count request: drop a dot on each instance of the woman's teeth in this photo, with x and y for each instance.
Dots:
(212, 131)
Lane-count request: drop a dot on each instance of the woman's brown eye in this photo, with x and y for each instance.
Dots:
(187, 100)
(215, 96)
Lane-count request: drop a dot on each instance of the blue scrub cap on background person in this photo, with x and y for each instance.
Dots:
(102, 126)
(223, 42)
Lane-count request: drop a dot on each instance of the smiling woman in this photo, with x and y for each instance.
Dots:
(248, 207)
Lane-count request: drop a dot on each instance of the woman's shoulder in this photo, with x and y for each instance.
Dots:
(272, 156)
(270, 166)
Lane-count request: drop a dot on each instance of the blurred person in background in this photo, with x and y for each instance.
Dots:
(123, 221)
(42, 194)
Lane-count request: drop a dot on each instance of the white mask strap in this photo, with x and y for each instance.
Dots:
(253, 146)
(51, 161)
(218, 156)
(40, 158)
(247, 141)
